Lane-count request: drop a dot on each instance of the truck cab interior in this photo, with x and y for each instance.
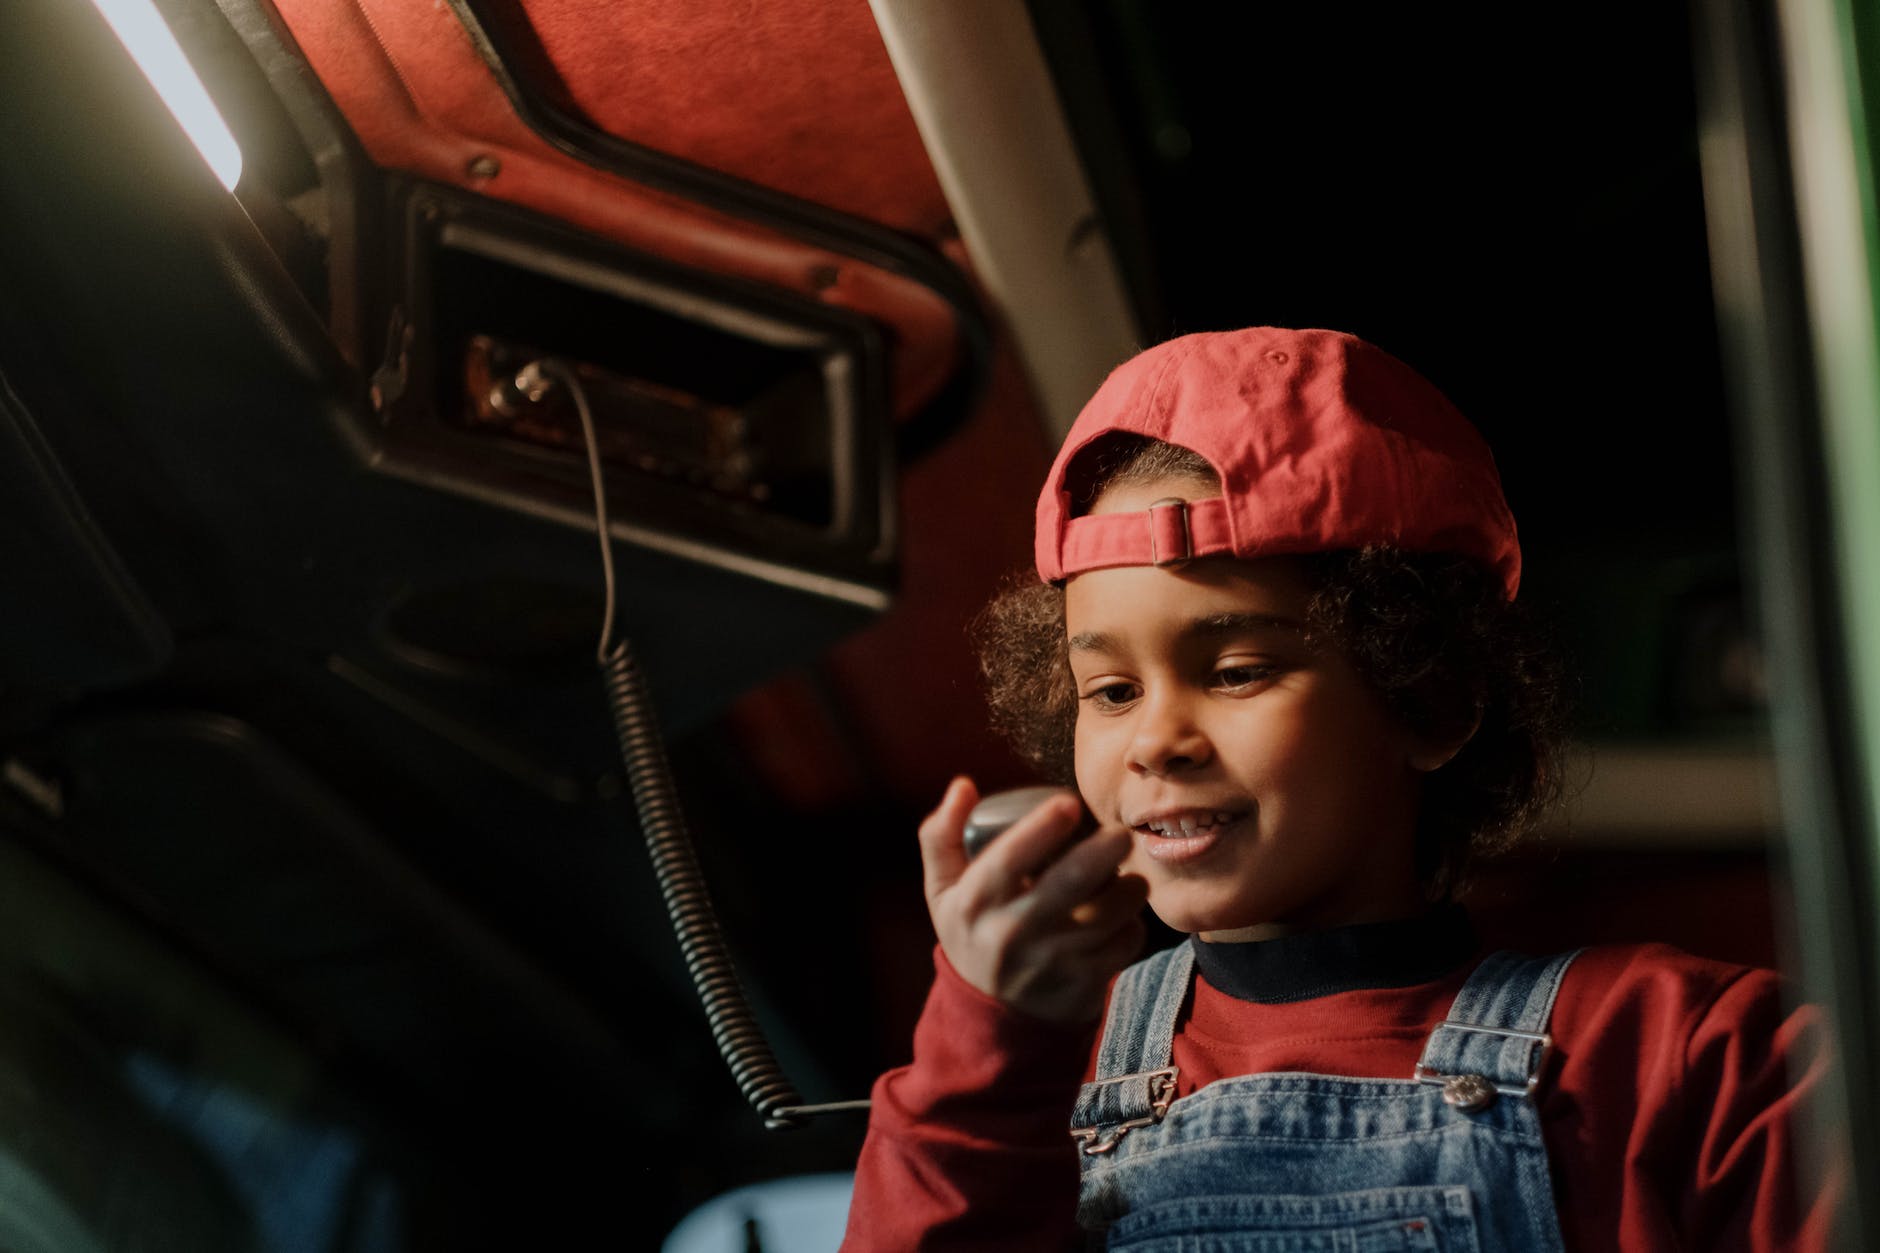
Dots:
(335, 917)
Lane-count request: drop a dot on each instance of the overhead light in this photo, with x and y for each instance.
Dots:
(155, 50)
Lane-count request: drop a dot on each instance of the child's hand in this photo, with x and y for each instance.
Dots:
(1037, 925)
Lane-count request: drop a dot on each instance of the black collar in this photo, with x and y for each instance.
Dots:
(1344, 959)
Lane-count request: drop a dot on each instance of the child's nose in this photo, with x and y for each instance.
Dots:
(1167, 739)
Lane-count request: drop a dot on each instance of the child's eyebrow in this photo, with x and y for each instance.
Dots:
(1236, 623)
(1199, 628)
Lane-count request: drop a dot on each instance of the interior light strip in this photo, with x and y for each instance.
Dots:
(155, 50)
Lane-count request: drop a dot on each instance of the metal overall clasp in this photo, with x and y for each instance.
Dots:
(1161, 1095)
(1471, 1093)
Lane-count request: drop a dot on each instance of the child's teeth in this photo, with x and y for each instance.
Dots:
(1187, 825)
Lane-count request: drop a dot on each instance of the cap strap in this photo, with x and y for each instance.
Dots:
(1169, 542)
(1166, 533)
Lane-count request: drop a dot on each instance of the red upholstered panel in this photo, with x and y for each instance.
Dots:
(797, 95)
(413, 87)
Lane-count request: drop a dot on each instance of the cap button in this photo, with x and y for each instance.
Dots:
(1277, 357)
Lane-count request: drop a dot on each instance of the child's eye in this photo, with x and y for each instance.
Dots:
(1110, 695)
(1244, 674)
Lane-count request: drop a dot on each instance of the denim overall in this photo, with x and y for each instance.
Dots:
(1449, 1157)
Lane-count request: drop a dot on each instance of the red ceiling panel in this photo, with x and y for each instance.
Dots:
(751, 96)
(797, 95)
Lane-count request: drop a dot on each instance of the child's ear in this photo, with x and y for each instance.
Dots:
(1434, 751)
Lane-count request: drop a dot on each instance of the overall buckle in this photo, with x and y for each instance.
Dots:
(1470, 1092)
(1161, 1096)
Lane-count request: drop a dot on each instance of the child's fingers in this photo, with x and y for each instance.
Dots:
(1007, 866)
(1122, 898)
(942, 855)
(1082, 960)
(1085, 869)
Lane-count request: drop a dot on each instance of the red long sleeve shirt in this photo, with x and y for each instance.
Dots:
(1672, 1114)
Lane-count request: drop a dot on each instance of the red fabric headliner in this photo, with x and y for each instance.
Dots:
(797, 95)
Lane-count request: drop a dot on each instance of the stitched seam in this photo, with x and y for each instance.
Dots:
(1161, 375)
(1392, 1037)
(411, 97)
(1171, 1145)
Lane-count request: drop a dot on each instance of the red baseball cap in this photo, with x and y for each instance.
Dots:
(1321, 442)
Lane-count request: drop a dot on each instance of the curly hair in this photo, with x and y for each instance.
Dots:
(1431, 635)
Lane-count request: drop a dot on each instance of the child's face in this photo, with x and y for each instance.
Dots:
(1264, 781)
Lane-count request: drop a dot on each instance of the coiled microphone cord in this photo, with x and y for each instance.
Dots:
(734, 1027)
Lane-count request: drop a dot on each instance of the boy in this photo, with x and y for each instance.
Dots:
(1275, 643)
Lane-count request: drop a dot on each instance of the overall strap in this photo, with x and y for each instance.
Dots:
(1134, 1082)
(1495, 1039)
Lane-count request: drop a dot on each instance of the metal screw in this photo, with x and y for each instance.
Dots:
(484, 167)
